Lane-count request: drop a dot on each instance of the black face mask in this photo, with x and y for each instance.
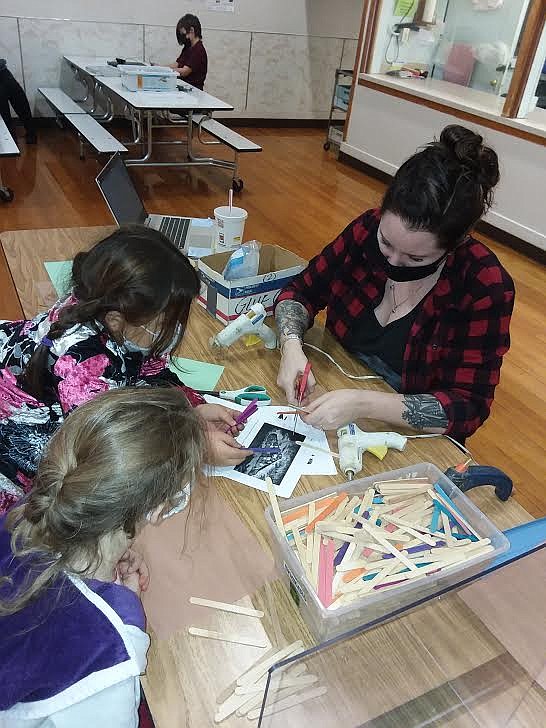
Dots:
(182, 40)
(402, 273)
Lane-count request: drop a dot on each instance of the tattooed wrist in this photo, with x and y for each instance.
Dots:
(292, 319)
(423, 411)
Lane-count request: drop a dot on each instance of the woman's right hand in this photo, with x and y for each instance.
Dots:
(293, 363)
(224, 450)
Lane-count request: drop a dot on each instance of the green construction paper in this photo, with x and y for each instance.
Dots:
(196, 374)
(403, 6)
(59, 272)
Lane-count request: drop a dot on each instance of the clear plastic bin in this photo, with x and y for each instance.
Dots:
(148, 78)
(326, 624)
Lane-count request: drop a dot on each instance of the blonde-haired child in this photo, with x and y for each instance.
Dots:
(72, 639)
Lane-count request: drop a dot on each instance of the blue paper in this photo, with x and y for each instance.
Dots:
(196, 374)
(60, 274)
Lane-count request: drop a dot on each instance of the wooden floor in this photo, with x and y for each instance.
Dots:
(300, 197)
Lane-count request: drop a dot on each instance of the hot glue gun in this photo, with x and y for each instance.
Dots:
(353, 443)
(466, 477)
(251, 322)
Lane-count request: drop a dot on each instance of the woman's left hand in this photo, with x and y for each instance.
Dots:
(334, 409)
(133, 571)
(220, 418)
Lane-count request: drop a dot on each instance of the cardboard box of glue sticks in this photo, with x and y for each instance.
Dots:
(401, 591)
(226, 300)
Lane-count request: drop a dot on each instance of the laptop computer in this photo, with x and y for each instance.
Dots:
(194, 236)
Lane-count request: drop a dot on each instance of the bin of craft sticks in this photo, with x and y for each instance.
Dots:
(357, 552)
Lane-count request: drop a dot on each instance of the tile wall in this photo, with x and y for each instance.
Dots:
(264, 75)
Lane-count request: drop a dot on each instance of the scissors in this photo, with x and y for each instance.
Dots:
(242, 396)
(302, 386)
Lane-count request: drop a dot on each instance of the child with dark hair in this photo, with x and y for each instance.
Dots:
(192, 63)
(128, 309)
(412, 294)
(73, 640)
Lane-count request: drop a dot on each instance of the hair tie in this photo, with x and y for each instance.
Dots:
(46, 342)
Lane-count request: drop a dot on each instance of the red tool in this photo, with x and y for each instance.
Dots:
(302, 386)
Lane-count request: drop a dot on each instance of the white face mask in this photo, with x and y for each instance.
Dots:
(145, 350)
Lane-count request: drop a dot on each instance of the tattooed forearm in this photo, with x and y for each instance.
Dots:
(423, 411)
(291, 318)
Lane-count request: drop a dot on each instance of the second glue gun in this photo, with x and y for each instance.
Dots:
(353, 443)
(251, 322)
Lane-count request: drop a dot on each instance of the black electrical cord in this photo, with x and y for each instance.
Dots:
(408, 11)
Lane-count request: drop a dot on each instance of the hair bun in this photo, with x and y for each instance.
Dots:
(468, 148)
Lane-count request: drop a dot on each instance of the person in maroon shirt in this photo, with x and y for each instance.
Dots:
(411, 294)
(192, 63)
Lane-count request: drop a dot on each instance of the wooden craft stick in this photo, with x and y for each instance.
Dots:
(399, 498)
(309, 546)
(315, 563)
(289, 672)
(224, 607)
(360, 535)
(211, 634)
(224, 695)
(369, 545)
(322, 570)
(255, 701)
(340, 509)
(336, 583)
(399, 481)
(258, 698)
(299, 545)
(366, 586)
(275, 505)
(296, 523)
(403, 483)
(457, 516)
(413, 531)
(342, 537)
(353, 574)
(325, 512)
(383, 541)
(308, 446)
(349, 553)
(326, 571)
(288, 702)
(285, 682)
(229, 706)
(447, 530)
(351, 505)
(255, 673)
(336, 527)
(303, 511)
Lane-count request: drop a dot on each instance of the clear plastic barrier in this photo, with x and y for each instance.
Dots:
(473, 657)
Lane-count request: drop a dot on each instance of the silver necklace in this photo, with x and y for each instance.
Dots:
(396, 306)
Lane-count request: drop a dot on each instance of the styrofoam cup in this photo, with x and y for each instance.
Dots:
(229, 226)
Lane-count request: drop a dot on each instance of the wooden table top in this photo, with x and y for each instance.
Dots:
(186, 674)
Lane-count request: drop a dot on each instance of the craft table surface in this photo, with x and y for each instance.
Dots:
(82, 62)
(195, 99)
(186, 674)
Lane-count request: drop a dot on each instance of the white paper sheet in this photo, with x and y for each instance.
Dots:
(266, 429)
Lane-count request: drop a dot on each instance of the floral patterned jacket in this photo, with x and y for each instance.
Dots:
(84, 362)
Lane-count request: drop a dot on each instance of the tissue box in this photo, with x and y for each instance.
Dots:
(148, 78)
(226, 300)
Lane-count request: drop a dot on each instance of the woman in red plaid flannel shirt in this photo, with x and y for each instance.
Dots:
(411, 294)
